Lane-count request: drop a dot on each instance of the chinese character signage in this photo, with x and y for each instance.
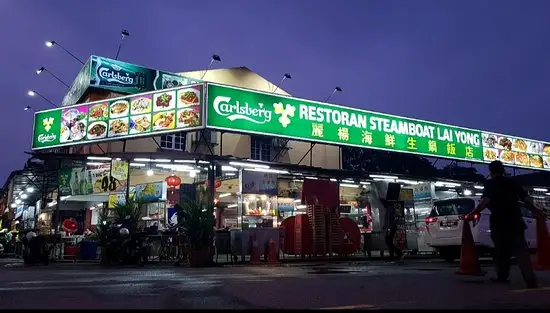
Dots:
(236, 109)
(267, 114)
(138, 115)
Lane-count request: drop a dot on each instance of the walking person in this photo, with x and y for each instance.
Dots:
(390, 228)
(502, 195)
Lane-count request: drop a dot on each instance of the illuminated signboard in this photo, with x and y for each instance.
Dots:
(139, 115)
(246, 111)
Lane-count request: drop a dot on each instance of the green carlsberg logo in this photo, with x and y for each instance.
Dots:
(284, 113)
(237, 110)
(241, 111)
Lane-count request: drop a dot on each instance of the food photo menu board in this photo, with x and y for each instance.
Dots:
(132, 116)
(516, 151)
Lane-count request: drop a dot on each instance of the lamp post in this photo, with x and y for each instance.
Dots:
(333, 92)
(125, 33)
(216, 58)
(51, 43)
(33, 93)
(285, 76)
(43, 69)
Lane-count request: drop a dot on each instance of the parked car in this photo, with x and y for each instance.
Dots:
(445, 223)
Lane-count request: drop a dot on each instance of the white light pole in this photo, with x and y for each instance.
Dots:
(51, 43)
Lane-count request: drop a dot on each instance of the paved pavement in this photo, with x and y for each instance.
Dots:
(352, 285)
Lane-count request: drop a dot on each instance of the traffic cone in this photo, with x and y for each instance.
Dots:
(469, 264)
(273, 254)
(542, 258)
(254, 252)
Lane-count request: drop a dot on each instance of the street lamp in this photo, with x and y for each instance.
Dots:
(216, 58)
(51, 43)
(125, 33)
(285, 76)
(333, 92)
(33, 93)
(43, 69)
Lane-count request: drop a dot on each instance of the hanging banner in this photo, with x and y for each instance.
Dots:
(150, 192)
(119, 171)
(85, 180)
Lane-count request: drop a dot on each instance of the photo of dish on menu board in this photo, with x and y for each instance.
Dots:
(118, 127)
(141, 104)
(98, 112)
(140, 124)
(507, 157)
(164, 101)
(535, 161)
(522, 159)
(119, 108)
(188, 97)
(164, 120)
(490, 154)
(73, 124)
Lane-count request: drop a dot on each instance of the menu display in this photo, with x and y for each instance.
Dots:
(516, 151)
(137, 115)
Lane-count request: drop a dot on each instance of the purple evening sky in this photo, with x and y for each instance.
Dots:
(474, 63)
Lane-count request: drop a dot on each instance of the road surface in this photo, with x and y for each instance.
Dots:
(360, 285)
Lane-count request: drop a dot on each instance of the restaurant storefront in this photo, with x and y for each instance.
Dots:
(248, 194)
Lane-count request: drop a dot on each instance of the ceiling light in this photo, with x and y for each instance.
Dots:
(467, 192)
(99, 158)
(540, 189)
(150, 172)
(226, 168)
(349, 185)
(223, 195)
(137, 164)
(244, 164)
(142, 160)
(162, 160)
(266, 170)
(232, 206)
(24, 196)
(30, 189)
(383, 176)
(13, 205)
(18, 201)
(478, 187)
(95, 163)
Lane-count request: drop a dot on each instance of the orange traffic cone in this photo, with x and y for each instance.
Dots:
(273, 254)
(542, 259)
(254, 252)
(469, 264)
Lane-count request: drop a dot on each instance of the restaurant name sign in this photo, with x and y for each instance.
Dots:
(139, 115)
(236, 109)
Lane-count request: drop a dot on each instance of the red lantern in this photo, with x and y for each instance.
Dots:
(173, 181)
(69, 226)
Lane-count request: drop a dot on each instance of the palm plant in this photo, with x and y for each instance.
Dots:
(196, 223)
(128, 213)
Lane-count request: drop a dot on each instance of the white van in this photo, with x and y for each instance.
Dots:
(444, 227)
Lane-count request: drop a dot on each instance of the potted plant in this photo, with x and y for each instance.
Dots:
(196, 224)
(126, 215)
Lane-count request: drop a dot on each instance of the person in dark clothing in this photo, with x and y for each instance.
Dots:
(502, 195)
(390, 227)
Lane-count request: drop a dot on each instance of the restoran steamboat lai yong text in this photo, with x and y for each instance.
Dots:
(385, 131)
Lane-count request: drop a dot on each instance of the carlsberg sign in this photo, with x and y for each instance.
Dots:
(241, 110)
